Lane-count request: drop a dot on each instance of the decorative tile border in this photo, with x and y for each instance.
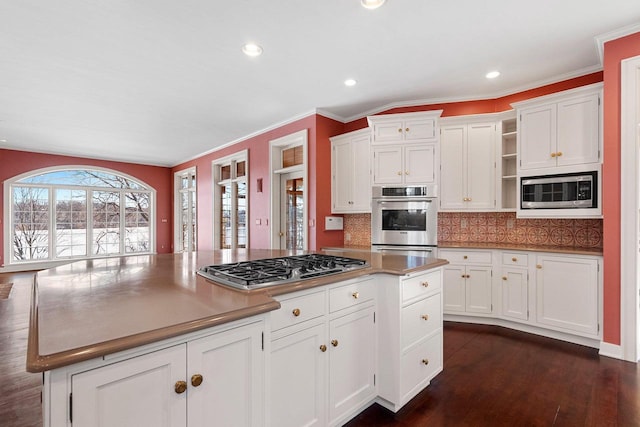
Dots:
(494, 227)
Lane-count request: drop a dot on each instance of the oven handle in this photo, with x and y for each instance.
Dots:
(382, 202)
(406, 249)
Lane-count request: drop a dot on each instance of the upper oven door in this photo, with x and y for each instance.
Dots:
(404, 222)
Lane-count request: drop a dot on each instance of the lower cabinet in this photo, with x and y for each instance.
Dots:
(467, 285)
(515, 288)
(217, 377)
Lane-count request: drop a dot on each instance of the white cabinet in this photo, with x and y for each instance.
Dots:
(515, 286)
(219, 376)
(323, 355)
(467, 166)
(507, 164)
(410, 335)
(350, 172)
(410, 164)
(404, 127)
(467, 281)
(562, 129)
(567, 293)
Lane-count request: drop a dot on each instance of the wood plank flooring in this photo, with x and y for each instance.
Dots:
(492, 377)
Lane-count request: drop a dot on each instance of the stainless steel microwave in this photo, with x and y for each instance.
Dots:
(563, 191)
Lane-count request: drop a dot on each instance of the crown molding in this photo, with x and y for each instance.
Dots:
(613, 35)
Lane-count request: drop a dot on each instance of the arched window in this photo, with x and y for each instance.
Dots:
(78, 212)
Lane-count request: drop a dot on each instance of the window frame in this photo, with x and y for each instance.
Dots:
(53, 259)
(192, 191)
(216, 166)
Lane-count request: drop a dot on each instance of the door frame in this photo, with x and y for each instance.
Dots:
(177, 211)
(629, 209)
(276, 146)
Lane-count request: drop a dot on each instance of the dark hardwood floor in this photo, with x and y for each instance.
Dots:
(492, 377)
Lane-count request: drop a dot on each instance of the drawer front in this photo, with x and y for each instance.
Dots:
(465, 257)
(515, 259)
(295, 310)
(351, 294)
(421, 285)
(420, 364)
(421, 319)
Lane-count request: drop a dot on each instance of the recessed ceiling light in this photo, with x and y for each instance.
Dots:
(492, 74)
(371, 4)
(252, 49)
(350, 82)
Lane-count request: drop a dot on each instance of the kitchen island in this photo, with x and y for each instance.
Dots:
(91, 317)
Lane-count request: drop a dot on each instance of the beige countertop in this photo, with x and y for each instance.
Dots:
(88, 309)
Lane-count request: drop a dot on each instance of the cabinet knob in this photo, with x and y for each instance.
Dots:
(539, 266)
(355, 295)
(399, 130)
(425, 317)
(553, 154)
(464, 257)
(514, 259)
(323, 348)
(180, 387)
(334, 343)
(296, 312)
(406, 172)
(504, 277)
(425, 361)
(406, 129)
(425, 284)
(196, 380)
(399, 172)
(559, 153)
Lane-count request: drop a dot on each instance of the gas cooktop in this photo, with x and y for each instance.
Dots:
(277, 271)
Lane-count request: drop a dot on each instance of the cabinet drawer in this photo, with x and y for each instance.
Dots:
(295, 310)
(465, 257)
(420, 364)
(351, 294)
(515, 258)
(421, 319)
(421, 285)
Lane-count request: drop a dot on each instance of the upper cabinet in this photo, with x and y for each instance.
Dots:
(350, 172)
(467, 166)
(558, 130)
(405, 148)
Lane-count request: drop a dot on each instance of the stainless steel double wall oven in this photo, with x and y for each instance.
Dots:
(405, 219)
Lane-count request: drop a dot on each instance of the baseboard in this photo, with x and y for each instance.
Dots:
(611, 350)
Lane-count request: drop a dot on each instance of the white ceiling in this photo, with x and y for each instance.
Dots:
(162, 81)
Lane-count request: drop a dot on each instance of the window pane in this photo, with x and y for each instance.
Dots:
(225, 172)
(71, 223)
(184, 220)
(85, 178)
(30, 223)
(241, 169)
(225, 217)
(241, 218)
(295, 210)
(106, 222)
(193, 221)
(137, 237)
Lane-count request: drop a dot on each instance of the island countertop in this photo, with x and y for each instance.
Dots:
(92, 308)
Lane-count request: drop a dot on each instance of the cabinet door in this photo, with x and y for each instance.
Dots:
(453, 167)
(478, 290)
(231, 364)
(342, 185)
(537, 137)
(298, 378)
(135, 392)
(361, 174)
(419, 164)
(387, 165)
(515, 287)
(419, 129)
(578, 131)
(388, 131)
(567, 293)
(352, 352)
(481, 171)
(453, 283)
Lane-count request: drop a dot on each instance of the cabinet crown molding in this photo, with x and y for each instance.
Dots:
(404, 116)
(592, 88)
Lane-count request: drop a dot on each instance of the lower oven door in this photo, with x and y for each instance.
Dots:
(402, 222)
(419, 251)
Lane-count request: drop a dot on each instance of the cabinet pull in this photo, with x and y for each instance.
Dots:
(196, 380)
(559, 153)
(399, 130)
(425, 317)
(465, 257)
(504, 277)
(425, 361)
(514, 259)
(296, 312)
(180, 387)
(323, 348)
(334, 343)
(406, 130)
(406, 172)
(355, 295)
(539, 266)
(553, 154)
(399, 172)
(425, 284)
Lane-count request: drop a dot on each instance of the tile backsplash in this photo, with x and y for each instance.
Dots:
(494, 227)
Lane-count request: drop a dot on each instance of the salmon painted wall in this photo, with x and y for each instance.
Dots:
(319, 183)
(18, 162)
(614, 52)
